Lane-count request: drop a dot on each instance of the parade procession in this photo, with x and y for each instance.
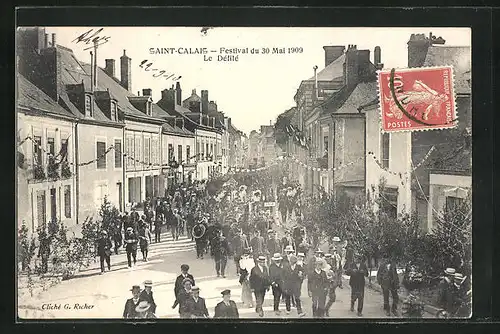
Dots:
(154, 206)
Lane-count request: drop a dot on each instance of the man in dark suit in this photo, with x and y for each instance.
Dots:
(196, 305)
(226, 308)
(317, 286)
(183, 299)
(292, 284)
(131, 241)
(388, 279)
(276, 274)
(179, 281)
(257, 244)
(357, 271)
(130, 305)
(239, 243)
(272, 245)
(259, 283)
(147, 295)
(221, 251)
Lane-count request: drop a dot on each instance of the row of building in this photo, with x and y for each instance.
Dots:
(83, 135)
(333, 138)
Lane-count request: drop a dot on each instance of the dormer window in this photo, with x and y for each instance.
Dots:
(149, 108)
(114, 116)
(88, 106)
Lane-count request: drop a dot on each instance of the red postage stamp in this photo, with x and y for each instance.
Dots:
(417, 99)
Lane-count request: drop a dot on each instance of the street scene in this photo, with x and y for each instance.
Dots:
(341, 188)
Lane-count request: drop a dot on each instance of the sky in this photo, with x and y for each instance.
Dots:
(254, 90)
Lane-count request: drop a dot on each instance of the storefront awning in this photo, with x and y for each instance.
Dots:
(456, 192)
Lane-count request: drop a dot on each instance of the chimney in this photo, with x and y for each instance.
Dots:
(110, 67)
(377, 59)
(204, 101)
(212, 119)
(167, 101)
(212, 106)
(46, 41)
(125, 71)
(53, 40)
(315, 68)
(178, 94)
(418, 45)
(364, 68)
(332, 53)
(147, 92)
(351, 66)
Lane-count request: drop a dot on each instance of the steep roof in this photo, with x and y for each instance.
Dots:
(332, 71)
(158, 112)
(32, 97)
(457, 56)
(364, 93)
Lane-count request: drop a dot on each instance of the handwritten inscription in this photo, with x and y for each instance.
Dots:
(92, 38)
(76, 306)
(148, 67)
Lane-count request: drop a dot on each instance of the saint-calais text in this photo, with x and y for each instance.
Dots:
(75, 306)
(224, 54)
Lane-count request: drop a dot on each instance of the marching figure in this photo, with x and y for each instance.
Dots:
(147, 295)
(239, 244)
(317, 286)
(129, 312)
(332, 283)
(246, 265)
(144, 240)
(180, 280)
(276, 273)
(357, 272)
(104, 250)
(158, 228)
(259, 283)
(199, 232)
(388, 279)
(257, 244)
(131, 246)
(196, 305)
(183, 298)
(220, 250)
(294, 274)
(226, 308)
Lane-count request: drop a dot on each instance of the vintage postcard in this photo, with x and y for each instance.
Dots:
(223, 172)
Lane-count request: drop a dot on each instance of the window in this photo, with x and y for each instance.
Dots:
(51, 146)
(138, 152)
(88, 106)
(154, 151)
(67, 201)
(389, 202)
(453, 203)
(325, 146)
(170, 152)
(101, 157)
(37, 150)
(385, 150)
(198, 152)
(179, 153)
(64, 149)
(118, 153)
(101, 191)
(149, 108)
(130, 152)
(40, 207)
(147, 150)
(113, 111)
(188, 153)
(206, 150)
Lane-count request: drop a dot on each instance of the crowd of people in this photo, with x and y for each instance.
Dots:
(232, 223)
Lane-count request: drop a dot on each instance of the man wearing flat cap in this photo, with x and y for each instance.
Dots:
(104, 250)
(147, 295)
(130, 305)
(226, 308)
(179, 282)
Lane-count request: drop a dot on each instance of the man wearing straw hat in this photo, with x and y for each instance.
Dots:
(294, 274)
(143, 311)
(129, 312)
(446, 295)
(276, 273)
(147, 295)
(259, 283)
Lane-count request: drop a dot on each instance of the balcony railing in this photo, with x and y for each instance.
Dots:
(52, 171)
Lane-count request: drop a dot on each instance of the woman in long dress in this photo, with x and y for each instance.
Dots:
(246, 265)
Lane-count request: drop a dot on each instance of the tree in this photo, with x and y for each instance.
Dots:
(109, 214)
